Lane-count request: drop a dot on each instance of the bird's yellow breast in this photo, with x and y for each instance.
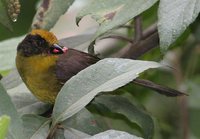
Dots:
(38, 73)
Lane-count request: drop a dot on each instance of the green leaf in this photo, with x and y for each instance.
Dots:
(83, 121)
(59, 134)
(4, 123)
(194, 124)
(49, 12)
(4, 18)
(193, 88)
(71, 133)
(25, 102)
(174, 16)
(8, 53)
(111, 14)
(36, 127)
(106, 75)
(12, 80)
(114, 134)
(120, 105)
(7, 108)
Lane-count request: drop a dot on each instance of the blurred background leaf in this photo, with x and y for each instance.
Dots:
(7, 108)
(49, 12)
(4, 124)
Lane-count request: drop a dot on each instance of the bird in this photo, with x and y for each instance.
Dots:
(45, 66)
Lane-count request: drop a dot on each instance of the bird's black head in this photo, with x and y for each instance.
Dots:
(39, 42)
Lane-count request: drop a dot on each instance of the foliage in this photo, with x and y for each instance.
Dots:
(4, 123)
(102, 100)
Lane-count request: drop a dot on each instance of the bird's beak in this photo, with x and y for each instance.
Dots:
(59, 48)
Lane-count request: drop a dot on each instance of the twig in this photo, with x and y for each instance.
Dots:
(183, 100)
(150, 30)
(118, 37)
(149, 35)
(138, 28)
(52, 131)
(142, 47)
(126, 26)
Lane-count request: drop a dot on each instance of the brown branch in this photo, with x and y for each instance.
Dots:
(150, 30)
(126, 26)
(183, 102)
(142, 47)
(149, 35)
(123, 38)
(138, 28)
(52, 131)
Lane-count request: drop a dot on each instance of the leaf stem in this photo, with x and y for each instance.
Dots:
(52, 131)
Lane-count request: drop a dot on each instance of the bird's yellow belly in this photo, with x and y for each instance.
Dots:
(39, 78)
(43, 89)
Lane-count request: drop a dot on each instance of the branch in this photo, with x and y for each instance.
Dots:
(118, 37)
(142, 47)
(149, 31)
(138, 28)
(126, 26)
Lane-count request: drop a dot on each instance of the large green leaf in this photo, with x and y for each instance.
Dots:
(120, 105)
(71, 133)
(49, 12)
(83, 121)
(4, 18)
(4, 123)
(174, 16)
(36, 127)
(25, 102)
(7, 108)
(106, 75)
(114, 134)
(113, 13)
(12, 80)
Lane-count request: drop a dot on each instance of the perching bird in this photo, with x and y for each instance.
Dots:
(45, 66)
